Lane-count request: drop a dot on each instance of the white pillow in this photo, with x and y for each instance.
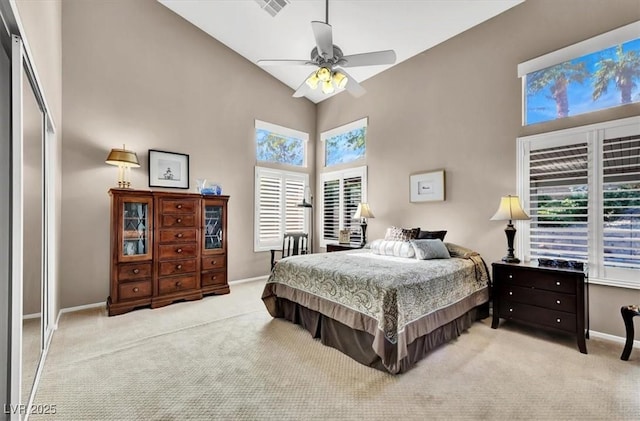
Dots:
(430, 249)
(392, 248)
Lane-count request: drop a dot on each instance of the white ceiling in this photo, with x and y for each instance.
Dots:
(359, 26)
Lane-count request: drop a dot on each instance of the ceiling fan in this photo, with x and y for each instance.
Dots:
(331, 62)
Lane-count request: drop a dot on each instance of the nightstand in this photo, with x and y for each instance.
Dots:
(341, 247)
(542, 296)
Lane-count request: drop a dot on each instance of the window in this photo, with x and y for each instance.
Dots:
(345, 144)
(280, 145)
(277, 195)
(341, 193)
(595, 74)
(582, 190)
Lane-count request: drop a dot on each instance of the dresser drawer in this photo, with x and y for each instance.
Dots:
(132, 290)
(552, 281)
(177, 267)
(213, 262)
(178, 235)
(177, 251)
(178, 205)
(178, 221)
(176, 283)
(538, 315)
(213, 278)
(538, 297)
(134, 271)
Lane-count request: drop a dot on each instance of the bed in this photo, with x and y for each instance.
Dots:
(386, 312)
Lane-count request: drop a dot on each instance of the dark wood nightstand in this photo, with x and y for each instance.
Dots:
(542, 296)
(340, 247)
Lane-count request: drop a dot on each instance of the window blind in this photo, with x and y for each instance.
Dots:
(341, 193)
(352, 196)
(559, 198)
(621, 202)
(331, 215)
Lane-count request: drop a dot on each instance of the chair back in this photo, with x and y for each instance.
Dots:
(295, 243)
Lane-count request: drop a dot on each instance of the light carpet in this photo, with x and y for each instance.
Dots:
(225, 358)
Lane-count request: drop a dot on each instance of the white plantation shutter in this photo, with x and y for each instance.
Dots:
(277, 194)
(581, 187)
(621, 202)
(558, 202)
(341, 193)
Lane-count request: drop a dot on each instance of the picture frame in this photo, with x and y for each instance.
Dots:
(427, 186)
(344, 236)
(168, 169)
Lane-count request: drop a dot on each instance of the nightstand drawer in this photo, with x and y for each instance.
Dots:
(213, 262)
(552, 281)
(178, 205)
(538, 315)
(132, 290)
(176, 283)
(177, 267)
(177, 251)
(538, 297)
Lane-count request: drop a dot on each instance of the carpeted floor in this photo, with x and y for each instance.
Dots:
(225, 358)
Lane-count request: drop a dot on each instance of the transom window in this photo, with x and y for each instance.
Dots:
(345, 144)
(277, 144)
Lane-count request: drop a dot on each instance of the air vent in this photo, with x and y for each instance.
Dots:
(273, 7)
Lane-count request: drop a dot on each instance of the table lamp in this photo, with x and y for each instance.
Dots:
(362, 213)
(510, 210)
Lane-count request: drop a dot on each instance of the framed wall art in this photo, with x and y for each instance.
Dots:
(168, 169)
(427, 187)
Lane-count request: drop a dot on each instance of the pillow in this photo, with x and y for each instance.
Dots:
(392, 248)
(431, 235)
(430, 249)
(401, 234)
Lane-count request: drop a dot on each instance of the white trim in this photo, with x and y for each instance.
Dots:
(612, 338)
(254, 279)
(363, 122)
(275, 128)
(591, 45)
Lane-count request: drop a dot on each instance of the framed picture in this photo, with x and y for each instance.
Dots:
(427, 186)
(168, 169)
(344, 236)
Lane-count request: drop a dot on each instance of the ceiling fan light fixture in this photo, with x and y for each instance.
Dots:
(313, 80)
(327, 87)
(340, 80)
(324, 74)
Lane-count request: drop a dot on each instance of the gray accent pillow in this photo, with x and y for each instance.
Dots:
(430, 249)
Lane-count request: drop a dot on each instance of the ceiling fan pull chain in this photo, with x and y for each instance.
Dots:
(326, 18)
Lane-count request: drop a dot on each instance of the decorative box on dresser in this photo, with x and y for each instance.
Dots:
(160, 244)
(542, 296)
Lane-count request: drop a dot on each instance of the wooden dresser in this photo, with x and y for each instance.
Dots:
(161, 248)
(542, 296)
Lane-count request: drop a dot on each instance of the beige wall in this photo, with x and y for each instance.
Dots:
(458, 106)
(136, 73)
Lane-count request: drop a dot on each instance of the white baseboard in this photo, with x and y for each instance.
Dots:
(257, 278)
(78, 308)
(613, 338)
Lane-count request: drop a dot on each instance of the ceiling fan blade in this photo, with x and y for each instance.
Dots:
(284, 62)
(303, 88)
(353, 87)
(369, 59)
(324, 38)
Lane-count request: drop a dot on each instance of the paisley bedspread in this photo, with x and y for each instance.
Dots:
(394, 299)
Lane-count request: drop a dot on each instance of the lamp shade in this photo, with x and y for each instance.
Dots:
(123, 158)
(363, 211)
(510, 210)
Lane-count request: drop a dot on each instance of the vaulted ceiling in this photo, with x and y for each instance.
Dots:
(406, 26)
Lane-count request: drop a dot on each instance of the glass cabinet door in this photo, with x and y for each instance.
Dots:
(213, 231)
(136, 229)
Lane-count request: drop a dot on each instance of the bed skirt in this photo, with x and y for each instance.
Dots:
(358, 344)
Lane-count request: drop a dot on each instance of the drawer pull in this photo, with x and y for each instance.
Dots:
(558, 283)
(136, 289)
(179, 251)
(557, 320)
(510, 276)
(557, 301)
(179, 235)
(179, 220)
(510, 292)
(213, 262)
(136, 271)
(178, 267)
(213, 278)
(178, 284)
(511, 310)
(179, 206)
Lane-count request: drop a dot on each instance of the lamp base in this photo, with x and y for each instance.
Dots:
(508, 259)
(363, 227)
